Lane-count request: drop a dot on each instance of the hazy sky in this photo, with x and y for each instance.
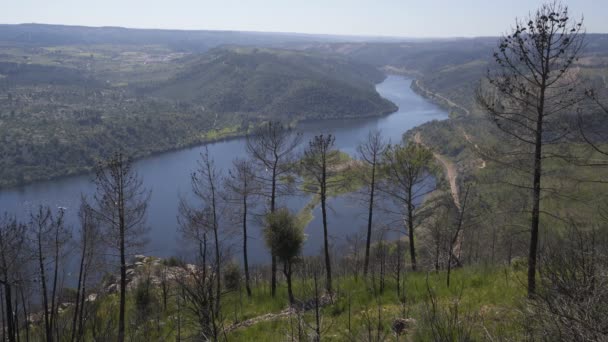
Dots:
(414, 18)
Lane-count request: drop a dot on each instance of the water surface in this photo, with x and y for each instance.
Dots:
(168, 176)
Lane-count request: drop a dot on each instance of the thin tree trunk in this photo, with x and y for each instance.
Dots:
(325, 237)
(2, 304)
(218, 285)
(535, 212)
(317, 311)
(273, 280)
(45, 300)
(123, 262)
(9, 312)
(82, 303)
(79, 286)
(288, 277)
(16, 324)
(410, 229)
(25, 315)
(245, 262)
(369, 219)
(55, 273)
(537, 175)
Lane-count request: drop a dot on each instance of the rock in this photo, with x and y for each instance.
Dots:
(139, 257)
(112, 288)
(92, 297)
(130, 274)
(149, 259)
(402, 325)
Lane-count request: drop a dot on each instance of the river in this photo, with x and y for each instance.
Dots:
(168, 176)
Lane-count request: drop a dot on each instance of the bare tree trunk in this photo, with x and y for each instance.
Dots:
(2, 305)
(8, 298)
(273, 277)
(45, 300)
(123, 261)
(535, 208)
(245, 261)
(55, 275)
(317, 338)
(369, 219)
(328, 285)
(25, 314)
(410, 230)
(79, 287)
(288, 277)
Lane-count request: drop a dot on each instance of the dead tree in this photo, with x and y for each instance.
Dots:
(13, 246)
(370, 152)
(205, 182)
(49, 236)
(197, 289)
(527, 94)
(241, 186)
(272, 148)
(121, 204)
(89, 249)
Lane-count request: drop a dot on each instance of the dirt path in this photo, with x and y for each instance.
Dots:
(450, 171)
(468, 138)
(301, 307)
(443, 98)
(259, 319)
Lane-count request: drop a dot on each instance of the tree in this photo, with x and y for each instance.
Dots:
(527, 94)
(13, 245)
(241, 185)
(572, 304)
(284, 236)
(272, 147)
(319, 165)
(89, 250)
(197, 289)
(49, 236)
(205, 182)
(406, 168)
(370, 152)
(121, 204)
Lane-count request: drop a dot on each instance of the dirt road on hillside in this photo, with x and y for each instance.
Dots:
(450, 171)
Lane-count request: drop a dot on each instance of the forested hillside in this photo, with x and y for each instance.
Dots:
(64, 106)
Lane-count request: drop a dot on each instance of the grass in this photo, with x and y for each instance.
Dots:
(489, 295)
(487, 300)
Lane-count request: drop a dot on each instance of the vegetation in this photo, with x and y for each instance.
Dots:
(489, 253)
(63, 108)
(285, 238)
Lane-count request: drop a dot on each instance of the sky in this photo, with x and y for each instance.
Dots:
(395, 18)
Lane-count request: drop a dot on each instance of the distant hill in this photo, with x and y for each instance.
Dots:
(450, 67)
(64, 106)
(180, 40)
(278, 83)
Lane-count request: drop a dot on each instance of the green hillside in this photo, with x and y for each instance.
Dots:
(277, 83)
(63, 107)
